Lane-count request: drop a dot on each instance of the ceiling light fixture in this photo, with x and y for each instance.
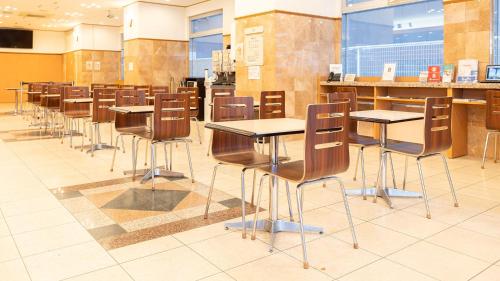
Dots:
(90, 5)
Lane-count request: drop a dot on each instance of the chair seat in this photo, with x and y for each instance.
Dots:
(407, 148)
(292, 171)
(77, 114)
(246, 159)
(357, 139)
(141, 131)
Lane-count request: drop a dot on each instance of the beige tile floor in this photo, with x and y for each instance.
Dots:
(41, 240)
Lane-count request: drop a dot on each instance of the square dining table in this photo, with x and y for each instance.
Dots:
(384, 118)
(272, 128)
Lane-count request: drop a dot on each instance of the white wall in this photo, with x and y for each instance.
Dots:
(325, 8)
(154, 21)
(49, 42)
(93, 37)
(227, 7)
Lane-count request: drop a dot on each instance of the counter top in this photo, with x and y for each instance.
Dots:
(414, 85)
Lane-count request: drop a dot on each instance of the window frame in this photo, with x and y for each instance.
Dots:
(495, 32)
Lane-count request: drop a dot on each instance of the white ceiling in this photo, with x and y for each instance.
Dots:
(61, 15)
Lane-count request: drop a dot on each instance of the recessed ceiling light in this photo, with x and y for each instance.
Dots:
(90, 5)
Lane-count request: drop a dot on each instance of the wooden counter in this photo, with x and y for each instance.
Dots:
(410, 96)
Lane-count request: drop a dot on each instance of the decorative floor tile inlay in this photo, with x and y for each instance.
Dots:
(122, 212)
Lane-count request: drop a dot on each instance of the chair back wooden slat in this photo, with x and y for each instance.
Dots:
(232, 109)
(52, 102)
(171, 117)
(103, 99)
(326, 140)
(194, 99)
(350, 96)
(272, 104)
(222, 93)
(493, 110)
(74, 92)
(437, 127)
(130, 98)
(127, 87)
(159, 90)
(35, 87)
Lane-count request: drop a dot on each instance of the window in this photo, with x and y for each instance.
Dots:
(496, 32)
(206, 36)
(409, 35)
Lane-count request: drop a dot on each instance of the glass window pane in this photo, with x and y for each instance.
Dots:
(353, 2)
(409, 35)
(496, 32)
(206, 23)
(200, 53)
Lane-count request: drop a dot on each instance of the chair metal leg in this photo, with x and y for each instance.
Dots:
(257, 210)
(496, 144)
(171, 157)
(285, 151)
(253, 187)
(114, 153)
(135, 158)
(356, 167)
(424, 192)
(363, 175)
(299, 192)
(348, 212)
(392, 171)
(71, 133)
(190, 163)
(210, 191)
(406, 173)
(123, 144)
(210, 144)
(243, 207)
(153, 164)
(450, 182)
(198, 128)
(146, 155)
(378, 183)
(64, 129)
(485, 149)
(165, 155)
(288, 197)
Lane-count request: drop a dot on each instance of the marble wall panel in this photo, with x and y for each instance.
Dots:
(75, 67)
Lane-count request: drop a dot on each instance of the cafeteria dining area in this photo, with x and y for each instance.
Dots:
(218, 140)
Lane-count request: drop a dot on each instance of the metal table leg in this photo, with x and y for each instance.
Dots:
(382, 190)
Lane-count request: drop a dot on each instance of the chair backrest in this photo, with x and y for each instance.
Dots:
(221, 93)
(347, 90)
(130, 98)
(351, 96)
(272, 104)
(437, 127)
(232, 109)
(103, 99)
(145, 88)
(171, 117)
(74, 92)
(52, 102)
(159, 90)
(194, 100)
(326, 140)
(493, 110)
(127, 87)
(105, 86)
(35, 87)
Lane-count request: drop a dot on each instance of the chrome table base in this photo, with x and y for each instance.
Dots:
(275, 227)
(159, 172)
(384, 193)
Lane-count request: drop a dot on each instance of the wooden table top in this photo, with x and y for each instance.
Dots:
(261, 127)
(385, 116)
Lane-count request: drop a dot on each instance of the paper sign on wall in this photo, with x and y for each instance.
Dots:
(97, 66)
(89, 65)
(254, 72)
(254, 49)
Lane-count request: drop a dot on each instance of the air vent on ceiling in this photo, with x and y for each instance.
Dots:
(31, 15)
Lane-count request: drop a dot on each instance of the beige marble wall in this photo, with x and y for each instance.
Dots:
(467, 36)
(156, 62)
(75, 67)
(297, 49)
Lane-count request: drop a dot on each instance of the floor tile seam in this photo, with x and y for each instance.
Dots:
(459, 252)
(96, 270)
(17, 248)
(32, 212)
(479, 273)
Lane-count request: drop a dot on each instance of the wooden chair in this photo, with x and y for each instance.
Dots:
(34, 92)
(159, 90)
(171, 121)
(272, 105)
(492, 121)
(217, 93)
(194, 104)
(147, 91)
(437, 138)
(355, 139)
(130, 124)
(326, 155)
(232, 149)
(51, 104)
(102, 99)
(74, 111)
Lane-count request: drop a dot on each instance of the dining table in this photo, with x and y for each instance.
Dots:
(16, 92)
(383, 118)
(273, 129)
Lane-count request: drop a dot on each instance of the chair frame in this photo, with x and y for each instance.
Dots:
(492, 123)
(326, 154)
(194, 105)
